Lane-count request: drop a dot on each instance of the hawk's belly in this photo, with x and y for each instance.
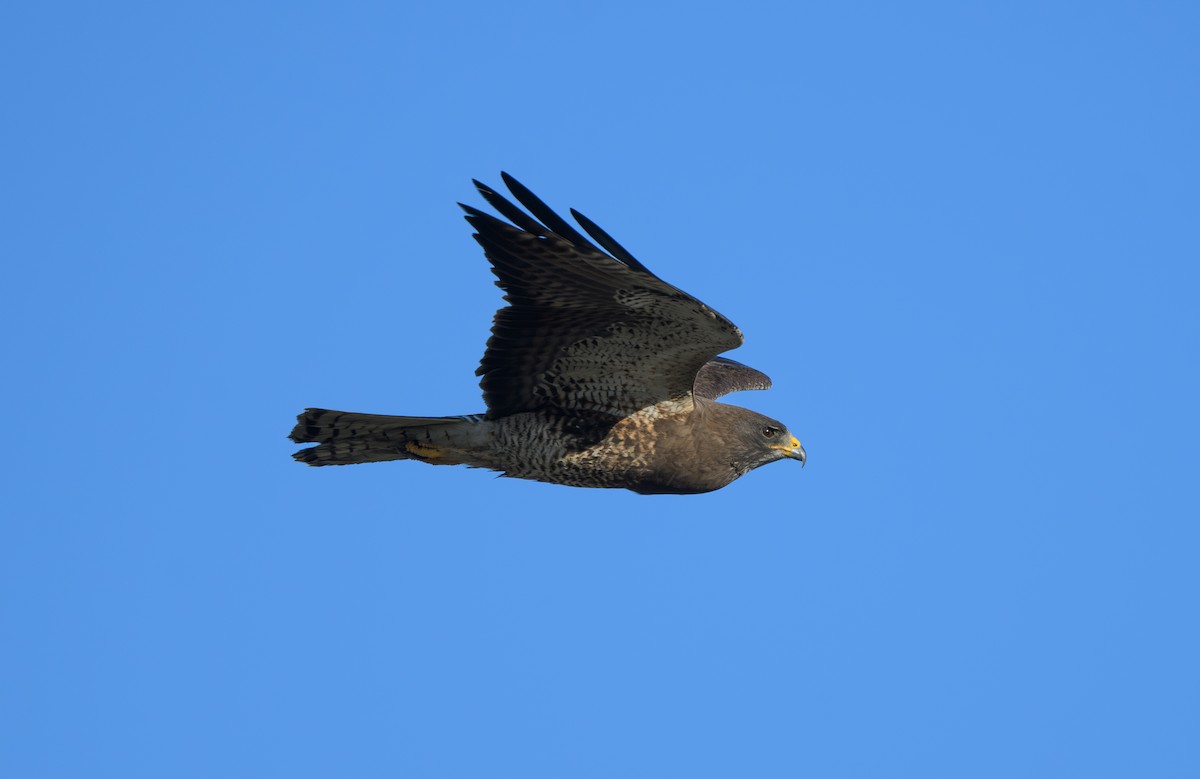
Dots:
(649, 452)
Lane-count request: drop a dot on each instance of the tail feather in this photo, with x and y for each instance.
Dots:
(345, 438)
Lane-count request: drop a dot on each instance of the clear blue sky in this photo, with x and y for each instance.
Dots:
(961, 237)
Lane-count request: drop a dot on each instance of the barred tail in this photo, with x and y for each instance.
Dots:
(347, 438)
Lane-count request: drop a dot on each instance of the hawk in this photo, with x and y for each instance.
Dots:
(597, 374)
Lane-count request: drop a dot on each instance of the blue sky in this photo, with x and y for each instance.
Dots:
(961, 238)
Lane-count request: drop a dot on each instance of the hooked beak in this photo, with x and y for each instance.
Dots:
(795, 451)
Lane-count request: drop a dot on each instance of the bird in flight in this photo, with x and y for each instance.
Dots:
(597, 374)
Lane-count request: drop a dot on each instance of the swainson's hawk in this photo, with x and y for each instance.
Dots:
(598, 374)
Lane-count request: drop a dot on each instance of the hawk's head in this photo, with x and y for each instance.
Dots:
(766, 440)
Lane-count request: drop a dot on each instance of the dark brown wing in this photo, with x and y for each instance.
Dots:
(722, 376)
(585, 333)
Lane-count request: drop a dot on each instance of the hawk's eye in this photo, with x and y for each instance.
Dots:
(770, 432)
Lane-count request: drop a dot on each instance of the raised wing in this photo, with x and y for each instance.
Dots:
(722, 376)
(586, 332)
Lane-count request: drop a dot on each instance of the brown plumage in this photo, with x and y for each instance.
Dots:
(598, 374)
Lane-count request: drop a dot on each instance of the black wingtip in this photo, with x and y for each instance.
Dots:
(544, 213)
(541, 218)
(523, 193)
(610, 245)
